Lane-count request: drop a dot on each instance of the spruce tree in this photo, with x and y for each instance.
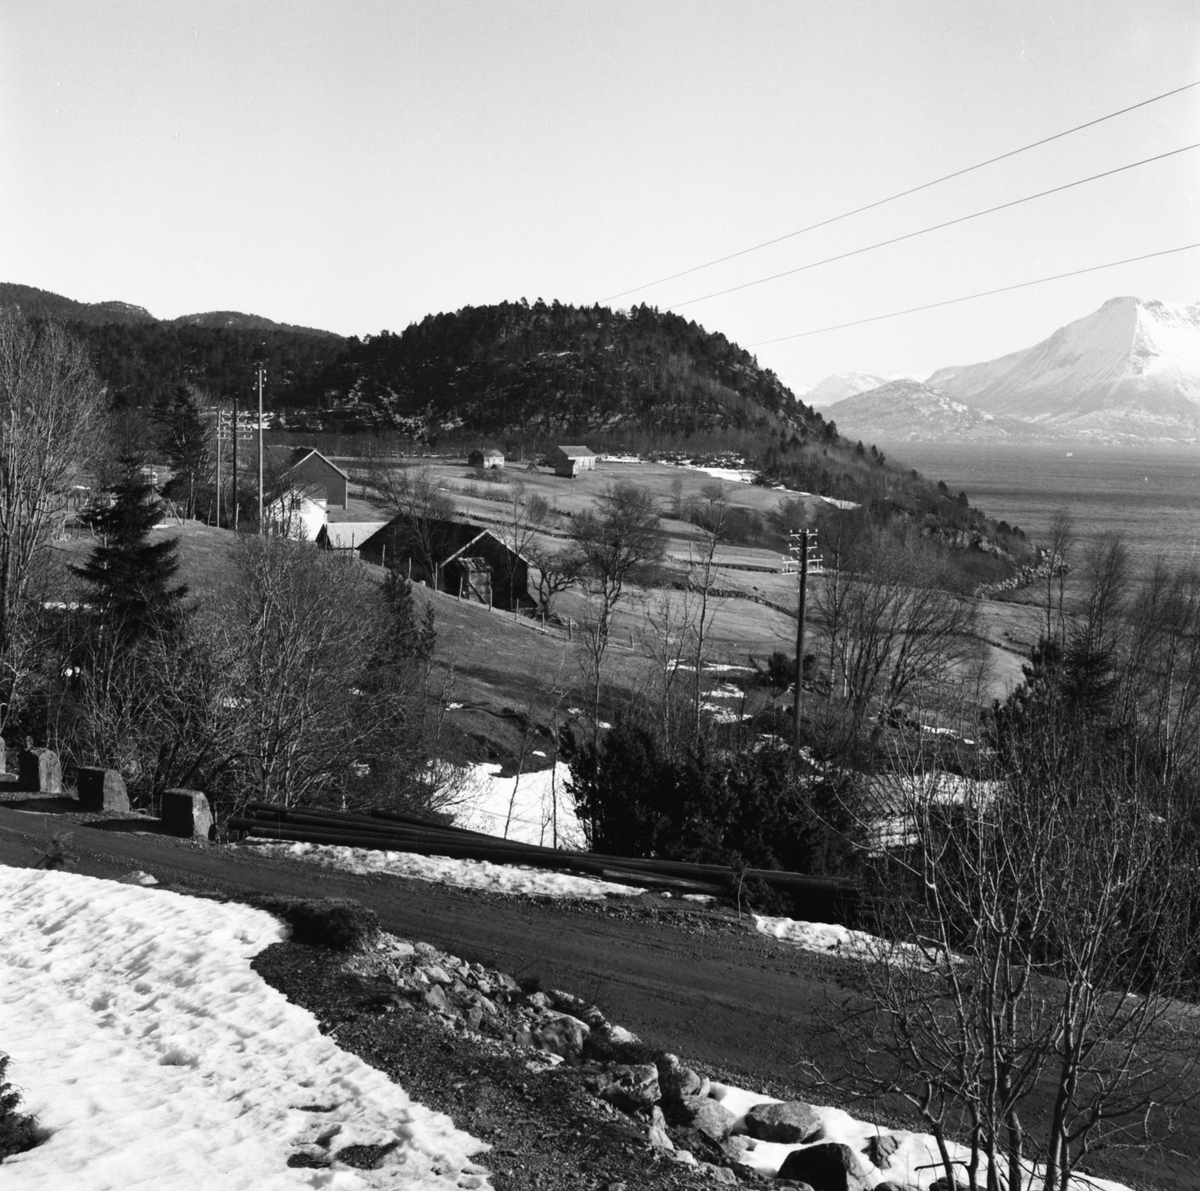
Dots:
(130, 575)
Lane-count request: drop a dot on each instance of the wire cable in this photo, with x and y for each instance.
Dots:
(891, 198)
(841, 256)
(987, 293)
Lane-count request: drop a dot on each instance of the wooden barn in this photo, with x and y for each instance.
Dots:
(487, 457)
(307, 469)
(571, 461)
(470, 562)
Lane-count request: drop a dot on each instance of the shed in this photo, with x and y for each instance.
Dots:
(486, 457)
(308, 469)
(570, 461)
(347, 535)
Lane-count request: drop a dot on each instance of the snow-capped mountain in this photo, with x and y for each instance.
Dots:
(1131, 370)
(846, 384)
(909, 411)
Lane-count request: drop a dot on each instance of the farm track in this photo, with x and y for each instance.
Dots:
(692, 981)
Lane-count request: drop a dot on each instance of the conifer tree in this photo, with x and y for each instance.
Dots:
(130, 575)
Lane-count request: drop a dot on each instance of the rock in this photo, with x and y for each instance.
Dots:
(138, 878)
(619, 1035)
(708, 1117)
(561, 1035)
(40, 771)
(102, 790)
(686, 1157)
(435, 999)
(790, 1123)
(657, 1134)
(473, 1016)
(945, 1183)
(828, 1166)
(629, 1088)
(436, 974)
(186, 813)
(735, 1147)
(538, 1000)
(719, 1174)
(888, 1185)
(880, 1148)
(676, 1080)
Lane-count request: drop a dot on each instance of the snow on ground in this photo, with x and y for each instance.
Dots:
(735, 475)
(830, 939)
(915, 1163)
(157, 1059)
(533, 808)
(465, 874)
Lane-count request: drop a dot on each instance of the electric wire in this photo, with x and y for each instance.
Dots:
(891, 198)
(1003, 289)
(841, 256)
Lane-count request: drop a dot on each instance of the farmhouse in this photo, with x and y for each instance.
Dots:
(451, 556)
(307, 469)
(295, 514)
(486, 457)
(570, 461)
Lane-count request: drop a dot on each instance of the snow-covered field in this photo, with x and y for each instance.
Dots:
(465, 874)
(533, 808)
(157, 1059)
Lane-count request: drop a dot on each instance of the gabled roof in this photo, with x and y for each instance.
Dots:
(290, 458)
(345, 535)
(576, 452)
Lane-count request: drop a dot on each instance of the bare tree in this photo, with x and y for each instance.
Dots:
(1061, 542)
(413, 496)
(52, 412)
(525, 516)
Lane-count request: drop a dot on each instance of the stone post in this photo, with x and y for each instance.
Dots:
(40, 771)
(102, 790)
(186, 813)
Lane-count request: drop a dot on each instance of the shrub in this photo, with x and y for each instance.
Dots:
(18, 1131)
(337, 923)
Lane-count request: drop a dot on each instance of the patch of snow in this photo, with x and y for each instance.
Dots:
(463, 874)
(158, 1060)
(830, 939)
(735, 475)
(532, 809)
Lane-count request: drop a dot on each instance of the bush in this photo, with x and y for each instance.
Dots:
(18, 1131)
(337, 923)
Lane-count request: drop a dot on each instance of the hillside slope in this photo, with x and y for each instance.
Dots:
(1129, 370)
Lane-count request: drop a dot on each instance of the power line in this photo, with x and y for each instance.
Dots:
(812, 227)
(971, 297)
(841, 256)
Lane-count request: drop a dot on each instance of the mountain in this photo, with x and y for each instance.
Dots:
(1129, 371)
(234, 320)
(837, 388)
(909, 411)
(40, 303)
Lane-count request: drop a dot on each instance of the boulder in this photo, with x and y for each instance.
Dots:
(658, 1135)
(102, 790)
(719, 1174)
(946, 1183)
(708, 1117)
(560, 1035)
(791, 1123)
(676, 1080)
(629, 1087)
(880, 1148)
(828, 1166)
(40, 771)
(186, 813)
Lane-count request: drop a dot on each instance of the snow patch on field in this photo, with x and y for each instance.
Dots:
(464, 874)
(533, 808)
(830, 939)
(157, 1059)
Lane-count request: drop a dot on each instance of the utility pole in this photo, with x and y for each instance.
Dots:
(235, 471)
(220, 418)
(802, 543)
(260, 449)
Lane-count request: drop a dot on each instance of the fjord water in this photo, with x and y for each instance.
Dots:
(1150, 496)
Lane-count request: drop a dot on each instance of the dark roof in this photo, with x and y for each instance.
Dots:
(456, 537)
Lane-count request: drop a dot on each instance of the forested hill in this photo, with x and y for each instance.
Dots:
(556, 368)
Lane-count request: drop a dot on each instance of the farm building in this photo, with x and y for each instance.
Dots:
(486, 457)
(295, 514)
(570, 461)
(468, 561)
(306, 468)
(347, 535)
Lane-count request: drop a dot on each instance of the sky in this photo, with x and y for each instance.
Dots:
(356, 165)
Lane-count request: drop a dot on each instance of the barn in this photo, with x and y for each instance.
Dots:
(307, 469)
(571, 461)
(486, 457)
(468, 561)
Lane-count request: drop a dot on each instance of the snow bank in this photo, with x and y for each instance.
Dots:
(157, 1059)
(466, 874)
(532, 809)
(831, 939)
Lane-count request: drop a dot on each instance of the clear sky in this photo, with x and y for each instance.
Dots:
(355, 165)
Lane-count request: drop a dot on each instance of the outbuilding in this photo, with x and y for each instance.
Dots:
(486, 457)
(307, 469)
(570, 461)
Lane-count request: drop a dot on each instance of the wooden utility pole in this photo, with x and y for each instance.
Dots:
(220, 416)
(235, 471)
(800, 548)
(260, 450)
